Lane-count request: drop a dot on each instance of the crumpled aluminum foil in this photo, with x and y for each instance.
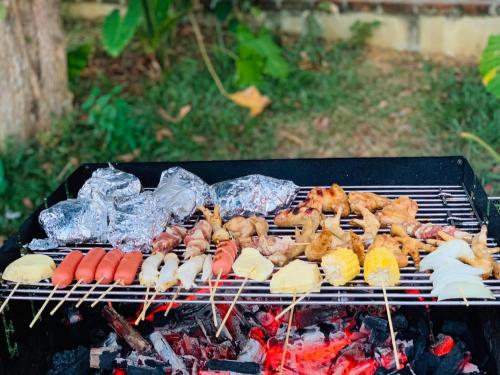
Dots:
(252, 195)
(178, 200)
(75, 221)
(179, 179)
(43, 244)
(135, 222)
(110, 184)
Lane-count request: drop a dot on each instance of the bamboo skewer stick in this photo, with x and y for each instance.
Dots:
(466, 302)
(9, 296)
(53, 311)
(287, 337)
(43, 306)
(172, 301)
(391, 328)
(212, 302)
(89, 291)
(295, 302)
(143, 311)
(105, 292)
(150, 302)
(231, 307)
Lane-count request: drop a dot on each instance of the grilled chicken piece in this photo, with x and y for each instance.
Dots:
(267, 245)
(319, 246)
(357, 247)
(168, 240)
(197, 239)
(219, 233)
(241, 227)
(369, 223)
(260, 224)
(411, 246)
(370, 201)
(332, 199)
(482, 255)
(298, 216)
(392, 244)
(402, 211)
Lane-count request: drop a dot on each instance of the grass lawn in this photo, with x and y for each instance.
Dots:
(340, 100)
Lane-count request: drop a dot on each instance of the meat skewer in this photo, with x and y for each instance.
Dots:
(85, 272)
(62, 277)
(168, 240)
(105, 271)
(125, 272)
(215, 220)
(367, 200)
(197, 239)
(149, 277)
(241, 228)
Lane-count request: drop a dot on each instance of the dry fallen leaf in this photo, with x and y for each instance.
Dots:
(131, 156)
(252, 99)
(27, 203)
(185, 109)
(199, 139)
(163, 133)
(47, 167)
(322, 123)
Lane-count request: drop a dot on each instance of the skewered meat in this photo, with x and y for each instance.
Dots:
(431, 231)
(206, 271)
(392, 244)
(168, 272)
(187, 272)
(252, 264)
(149, 270)
(333, 225)
(107, 266)
(333, 199)
(260, 224)
(85, 272)
(197, 239)
(225, 254)
(169, 240)
(482, 255)
(298, 216)
(127, 269)
(340, 266)
(297, 277)
(381, 267)
(319, 246)
(369, 223)
(240, 227)
(215, 220)
(276, 248)
(402, 210)
(31, 268)
(411, 246)
(65, 272)
(370, 201)
(357, 247)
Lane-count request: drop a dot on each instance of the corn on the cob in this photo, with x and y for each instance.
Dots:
(381, 267)
(340, 266)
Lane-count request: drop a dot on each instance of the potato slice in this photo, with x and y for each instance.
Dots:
(253, 264)
(29, 269)
(297, 277)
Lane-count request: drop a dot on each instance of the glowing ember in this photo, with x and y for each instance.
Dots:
(443, 346)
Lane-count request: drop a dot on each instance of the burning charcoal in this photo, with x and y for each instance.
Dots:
(427, 364)
(166, 353)
(450, 363)
(102, 358)
(233, 366)
(382, 371)
(459, 330)
(378, 329)
(253, 351)
(399, 322)
(75, 362)
(444, 344)
(373, 322)
(312, 335)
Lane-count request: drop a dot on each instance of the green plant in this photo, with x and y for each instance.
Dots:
(78, 58)
(3, 178)
(489, 66)
(362, 31)
(117, 31)
(258, 56)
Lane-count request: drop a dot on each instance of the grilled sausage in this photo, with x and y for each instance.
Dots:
(65, 272)
(224, 257)
(127, 269)
(85, 271)
(107, 266)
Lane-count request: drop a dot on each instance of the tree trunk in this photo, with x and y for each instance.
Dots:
(33, 71)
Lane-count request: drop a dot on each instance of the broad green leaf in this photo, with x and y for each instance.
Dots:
(117, 31)
(489, 67)
(222, 9)
(161, 10)
(248, 72)
(276, 67)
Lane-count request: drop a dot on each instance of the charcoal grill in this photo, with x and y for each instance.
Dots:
(446, 189)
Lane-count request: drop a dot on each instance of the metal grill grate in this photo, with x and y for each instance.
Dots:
(437, 204)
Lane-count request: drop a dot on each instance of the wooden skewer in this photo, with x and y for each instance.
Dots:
(43, 306)
(150, 302)
(295, 302)
(143, 312)
(105, 292)
(212, 302)
(231, 307)
(287, 337)
(89, 291)
(172, 301)
(9, 296)
(299, 243)
(391, 328)
(466, 302)
(53, 311)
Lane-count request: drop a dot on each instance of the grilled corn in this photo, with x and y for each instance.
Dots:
(340, 266)
(381, 267)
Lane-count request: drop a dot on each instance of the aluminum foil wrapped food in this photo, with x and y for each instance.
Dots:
(178, 179)
(75, 221)
(110, 184)
(135, 222)
(252, 194)
(178, 200)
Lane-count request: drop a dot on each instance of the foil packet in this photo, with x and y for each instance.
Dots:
(177, 200)
(74, 221)
(42, 244)
(110, 184)
(252, 195)
(178, 179)
(135, 222)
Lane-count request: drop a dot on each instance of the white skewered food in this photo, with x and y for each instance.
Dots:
(188, 271)
(206, 272)
(168, 272)
(149, 270)
(252, 264)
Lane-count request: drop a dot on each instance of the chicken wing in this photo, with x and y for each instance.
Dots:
(298, 216)
(370, 201)
(411, 246)
(319, 246)
(332, 199)
(357, 247)
(240, 227)
(219, 233)
(369, 223)
(482, 255)
(260, 224)
(392, 244)
(402, 210)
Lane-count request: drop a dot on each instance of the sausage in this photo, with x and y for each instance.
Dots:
(85, 271)
(127, 269)
(224, 257)
(107, 266)
(65, 272)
